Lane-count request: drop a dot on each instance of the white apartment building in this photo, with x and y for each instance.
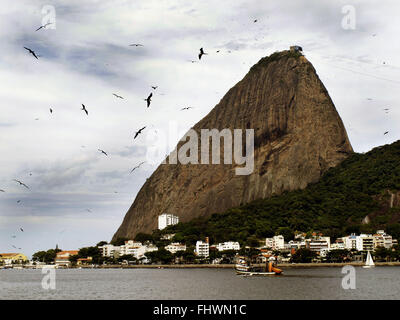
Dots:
(367, 241)
(230, 245)
(319, 244)
(381, 239)
(338, 245)
(202, 249)
(136, 249)
(109, 250)
(275, 243)
(175, 247)
(167, 219)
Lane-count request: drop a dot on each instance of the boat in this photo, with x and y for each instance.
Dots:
(369, 263)
(244, 267)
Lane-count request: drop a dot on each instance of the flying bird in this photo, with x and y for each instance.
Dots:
(102, 151)
(255, 21)
(192, 61)
(88, 210)
(32, 52)
(187, 108)
(84, 109)
(201, 53)
(149, 99)
(18, 201)
(21, 229)
(138, 166)
(1, 190)
(44, 26)
(21, 183)
(386, 132)
(51, 110)
(155, 87)
(138, 132)
(136, 45)
(117, 96)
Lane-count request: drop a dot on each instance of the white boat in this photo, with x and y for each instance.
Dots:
(243, 267)
(369, 263)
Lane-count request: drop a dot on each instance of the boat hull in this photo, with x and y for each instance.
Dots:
(256, 273)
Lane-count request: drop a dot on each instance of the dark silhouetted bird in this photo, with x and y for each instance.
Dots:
(386, 132)
(255, 21)
(201, 53)
(187, 108)
(21, 229)
(18, 201)
(138, 132)
(21, 183)
(138, 166)
(44, 26)
(149, 99)
(136, 45)
(117, 96)
(102, 151)
(84, 109)
(51, 110)
(155, 87)
(32, 52)
(1, 190)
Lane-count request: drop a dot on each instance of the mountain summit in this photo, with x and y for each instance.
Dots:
(298, 136)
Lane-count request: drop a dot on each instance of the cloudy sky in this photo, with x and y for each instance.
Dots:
(78, 196)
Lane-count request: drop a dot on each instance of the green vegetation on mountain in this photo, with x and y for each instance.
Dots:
(335, 206)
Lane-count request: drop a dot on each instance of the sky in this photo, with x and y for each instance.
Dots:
(78, 196)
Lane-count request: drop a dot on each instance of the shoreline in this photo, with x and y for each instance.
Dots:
(231, 266)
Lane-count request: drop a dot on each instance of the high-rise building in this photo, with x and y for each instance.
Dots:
(167, 219)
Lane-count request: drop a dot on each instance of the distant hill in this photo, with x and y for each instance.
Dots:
(359, 195)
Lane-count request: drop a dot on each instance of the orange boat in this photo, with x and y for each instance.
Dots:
(243, 267)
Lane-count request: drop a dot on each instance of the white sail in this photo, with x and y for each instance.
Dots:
(369, 261)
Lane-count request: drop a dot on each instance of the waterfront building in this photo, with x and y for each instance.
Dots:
(202, 248)
(381, 239)
(175, 247)
(62, 257)
(109, 250)
(338, 245)
(275, 243)
(318, 243)
(230, 245)
(167, 219)
(136, 249)
(367, 241)
(11, 258)
(352, 242)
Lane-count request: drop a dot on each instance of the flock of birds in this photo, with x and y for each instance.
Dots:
(148, 103)
(85, 110)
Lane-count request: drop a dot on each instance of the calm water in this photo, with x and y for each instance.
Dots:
(311, 283)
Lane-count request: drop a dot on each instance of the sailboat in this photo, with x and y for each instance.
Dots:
(369, 263)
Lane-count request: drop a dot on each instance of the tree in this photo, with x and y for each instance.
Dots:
(160, 256)
(303, 255)
(143, 237)
(286, 232)
(119, 241)
(101, 243)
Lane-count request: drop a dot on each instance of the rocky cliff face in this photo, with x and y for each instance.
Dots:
(298, 136)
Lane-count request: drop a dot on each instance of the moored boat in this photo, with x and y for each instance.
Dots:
(244, 267)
